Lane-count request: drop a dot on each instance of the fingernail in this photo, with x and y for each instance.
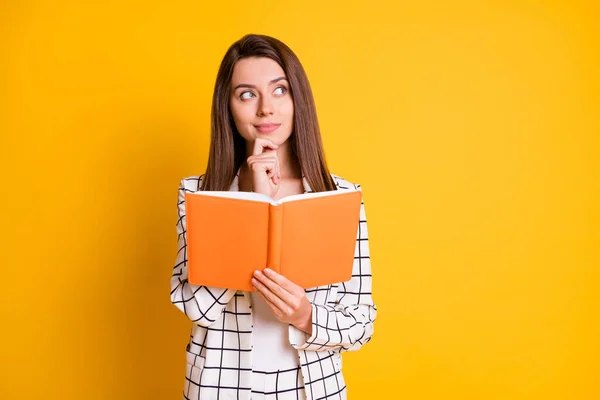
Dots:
(268, 271)
(257, 273)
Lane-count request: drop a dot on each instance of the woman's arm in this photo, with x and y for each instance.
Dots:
(202, 304)
(346, 324)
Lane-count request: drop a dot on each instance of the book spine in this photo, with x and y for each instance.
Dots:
(274, 246)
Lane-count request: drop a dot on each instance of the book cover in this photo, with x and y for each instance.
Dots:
(309, 238)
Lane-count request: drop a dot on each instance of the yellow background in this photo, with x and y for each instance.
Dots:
(473, 127)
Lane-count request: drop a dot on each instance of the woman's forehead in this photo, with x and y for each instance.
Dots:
(256, 71)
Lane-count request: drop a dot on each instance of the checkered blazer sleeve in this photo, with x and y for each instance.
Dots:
(202, 304)
(345, 324)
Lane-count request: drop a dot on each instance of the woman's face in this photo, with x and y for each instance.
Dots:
(260, 100)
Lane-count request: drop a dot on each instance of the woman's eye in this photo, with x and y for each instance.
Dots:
(280, 90)
(246, 95)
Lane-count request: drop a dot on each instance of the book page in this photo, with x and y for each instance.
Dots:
(252, 196)
(306, 196)
(236, 195)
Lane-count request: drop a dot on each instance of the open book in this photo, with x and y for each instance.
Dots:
(309, 238)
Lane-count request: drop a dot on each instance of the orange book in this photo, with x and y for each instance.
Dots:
(309, 238)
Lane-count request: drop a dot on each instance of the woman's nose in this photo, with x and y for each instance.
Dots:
(265, 107)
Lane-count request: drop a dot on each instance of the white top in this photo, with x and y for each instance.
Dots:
(271, 349)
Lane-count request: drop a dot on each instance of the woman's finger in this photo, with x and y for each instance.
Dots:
(277, 302)
(263, 161)
(274, 173)
(291, 307)
(268, 165)
(274, 287)
(272, 306)
(260, 144)
(267, 154)
(263, 164)
(277, 169)
(283, 282)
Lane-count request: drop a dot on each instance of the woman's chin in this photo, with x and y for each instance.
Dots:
(277, 140)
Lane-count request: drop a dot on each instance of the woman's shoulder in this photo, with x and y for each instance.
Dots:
(343, 184)
(191, 183)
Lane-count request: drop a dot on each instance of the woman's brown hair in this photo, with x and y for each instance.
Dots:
(228, 148)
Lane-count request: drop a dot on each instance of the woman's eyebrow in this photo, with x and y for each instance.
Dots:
(246, 85)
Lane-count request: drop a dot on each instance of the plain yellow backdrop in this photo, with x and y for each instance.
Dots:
(473, 127)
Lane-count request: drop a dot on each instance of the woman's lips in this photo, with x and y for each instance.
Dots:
(267, 128)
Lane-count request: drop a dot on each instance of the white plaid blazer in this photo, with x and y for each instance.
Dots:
(219, 353)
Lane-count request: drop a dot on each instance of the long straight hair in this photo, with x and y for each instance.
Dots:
(228, 148)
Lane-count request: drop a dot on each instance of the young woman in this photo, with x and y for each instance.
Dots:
(281, 341)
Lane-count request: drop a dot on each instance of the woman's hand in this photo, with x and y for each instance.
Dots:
(287, 300)
(264, 165)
